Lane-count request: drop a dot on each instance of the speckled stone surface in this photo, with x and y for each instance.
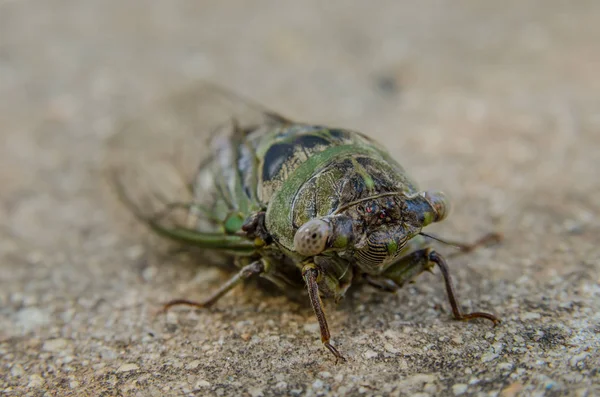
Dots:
(497, 103)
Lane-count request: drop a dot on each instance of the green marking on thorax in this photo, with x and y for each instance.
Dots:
(279, 216)
(364, 175)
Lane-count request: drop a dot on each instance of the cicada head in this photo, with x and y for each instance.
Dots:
(393, 221)
(372, 231)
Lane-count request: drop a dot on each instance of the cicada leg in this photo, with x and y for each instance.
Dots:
(239, 245)
(310, 274)
(384, 284)
(411, 265)
(246, 272)
(220, 241)
(217, 241)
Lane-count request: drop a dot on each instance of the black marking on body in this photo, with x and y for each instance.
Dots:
(245, 169)
(352, 189)
(275, 158)
(309, 141)
(279, 153)
(339, 134)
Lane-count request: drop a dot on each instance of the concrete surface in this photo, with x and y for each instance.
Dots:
(496, 103)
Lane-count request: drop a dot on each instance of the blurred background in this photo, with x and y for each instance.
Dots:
(495, 103)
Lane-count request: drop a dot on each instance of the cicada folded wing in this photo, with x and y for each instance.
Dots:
(153, 161)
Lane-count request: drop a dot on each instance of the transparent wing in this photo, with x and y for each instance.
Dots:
(152, 161)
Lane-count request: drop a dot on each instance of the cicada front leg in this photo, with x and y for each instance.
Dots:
(411, 265)
(310, 273)
(253, 269)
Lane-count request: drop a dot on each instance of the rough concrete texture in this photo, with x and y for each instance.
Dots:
(494, 102)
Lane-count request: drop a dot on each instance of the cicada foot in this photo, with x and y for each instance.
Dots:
(310, 274)
(484, 241)
(246, 272)
(413, 264)
(335, 352)
(456, 310)
(183, 302)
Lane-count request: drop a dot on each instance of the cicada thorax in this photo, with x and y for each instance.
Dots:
(315, 171)
(308, 172)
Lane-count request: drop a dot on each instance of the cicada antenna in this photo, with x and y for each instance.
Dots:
(487, 239)
(457, 246)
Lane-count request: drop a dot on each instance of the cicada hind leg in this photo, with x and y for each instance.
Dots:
(248, 271)
(411, 265)
(436, 258)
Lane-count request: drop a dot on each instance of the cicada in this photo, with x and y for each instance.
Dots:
(301, 205)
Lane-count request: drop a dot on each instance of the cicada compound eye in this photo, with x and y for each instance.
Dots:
(311, 238)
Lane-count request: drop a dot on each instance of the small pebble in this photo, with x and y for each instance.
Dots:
(311, 327)
(530, 316)
(192, 365)
(127, 367)
(256, 393)
(201, 384)
(54, 345)
(459, 388)
(35, 381)
(281, 385)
